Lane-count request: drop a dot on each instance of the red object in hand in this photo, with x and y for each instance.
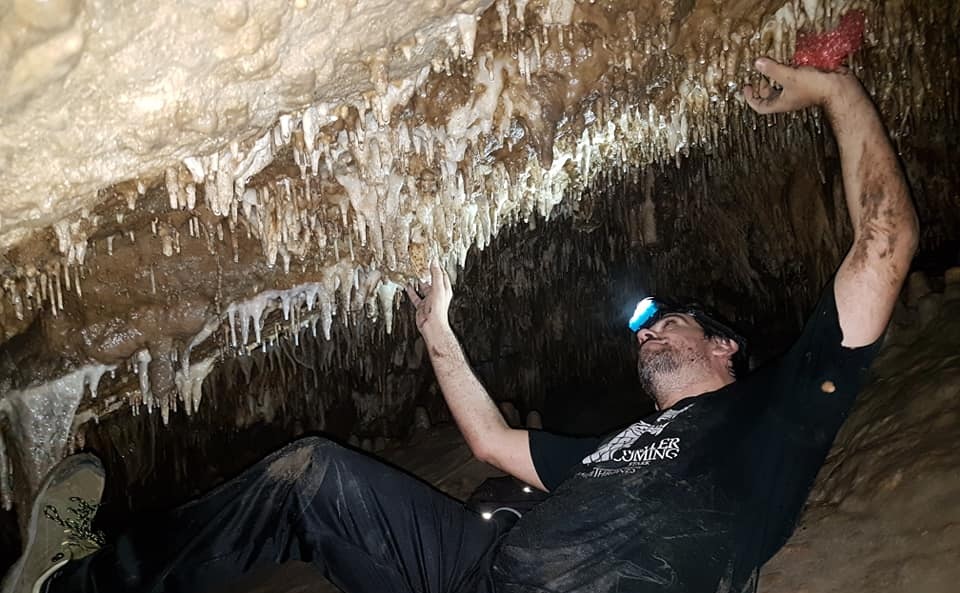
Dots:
(827, 51)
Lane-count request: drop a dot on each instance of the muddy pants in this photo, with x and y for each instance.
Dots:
(366, 526)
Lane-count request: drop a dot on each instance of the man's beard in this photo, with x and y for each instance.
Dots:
(653, 367)
(667, 367)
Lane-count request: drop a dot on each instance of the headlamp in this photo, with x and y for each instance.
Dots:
(650, 310)
(644, 312)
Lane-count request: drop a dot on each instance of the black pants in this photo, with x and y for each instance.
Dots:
(368, 527)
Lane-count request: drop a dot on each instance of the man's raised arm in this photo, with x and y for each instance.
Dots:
(487, 434)
(885, 231)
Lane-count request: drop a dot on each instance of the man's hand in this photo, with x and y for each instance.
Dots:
(433, 307)
(795, 88)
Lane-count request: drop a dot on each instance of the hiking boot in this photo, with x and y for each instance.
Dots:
(59, 529)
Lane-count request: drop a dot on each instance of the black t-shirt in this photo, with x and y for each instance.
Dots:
(695, 498)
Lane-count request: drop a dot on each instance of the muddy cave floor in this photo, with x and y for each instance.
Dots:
(882, 515)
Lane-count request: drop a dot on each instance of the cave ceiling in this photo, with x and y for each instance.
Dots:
(188, 187)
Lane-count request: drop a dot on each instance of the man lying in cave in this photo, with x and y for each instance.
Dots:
(693, 498)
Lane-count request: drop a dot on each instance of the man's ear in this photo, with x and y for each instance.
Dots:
(723, 346)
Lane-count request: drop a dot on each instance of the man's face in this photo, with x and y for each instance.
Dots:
(671, 346)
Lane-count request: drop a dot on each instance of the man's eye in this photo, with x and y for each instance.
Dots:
(669, 321)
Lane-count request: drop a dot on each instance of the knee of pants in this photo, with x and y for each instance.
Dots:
(306, 459)
(316, 444)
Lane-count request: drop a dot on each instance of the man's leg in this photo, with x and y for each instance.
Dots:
(368, 527)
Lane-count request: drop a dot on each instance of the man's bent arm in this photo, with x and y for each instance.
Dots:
(487, 434)
(883, 218)
(885, 229)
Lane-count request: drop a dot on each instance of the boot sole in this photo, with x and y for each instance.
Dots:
(60, 473)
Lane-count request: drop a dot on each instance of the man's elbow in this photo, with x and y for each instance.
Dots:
(493, 453)
(489, 455)
(902, 246)
(482, 450)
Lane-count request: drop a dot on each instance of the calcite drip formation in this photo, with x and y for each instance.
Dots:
(532, 103)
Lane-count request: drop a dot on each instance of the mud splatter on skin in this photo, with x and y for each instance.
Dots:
(880, 218)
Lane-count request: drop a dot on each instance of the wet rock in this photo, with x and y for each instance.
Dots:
(918, 286)
(928, 308)
(952, 280)
(534, 421)
(511, 414)
(421, 419)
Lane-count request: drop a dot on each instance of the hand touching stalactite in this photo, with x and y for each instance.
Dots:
(796, 88)
(433, 307)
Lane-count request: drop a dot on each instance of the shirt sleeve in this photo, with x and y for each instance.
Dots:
(554, 456)
(818, 378)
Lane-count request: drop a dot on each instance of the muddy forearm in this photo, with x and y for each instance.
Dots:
(876, 193)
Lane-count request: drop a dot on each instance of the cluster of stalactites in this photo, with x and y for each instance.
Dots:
(403, 185)
(291, 374)
(381, 191)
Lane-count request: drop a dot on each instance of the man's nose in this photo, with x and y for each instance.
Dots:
(643, 335)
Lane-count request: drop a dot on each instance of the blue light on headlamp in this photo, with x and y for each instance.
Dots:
(644, 312)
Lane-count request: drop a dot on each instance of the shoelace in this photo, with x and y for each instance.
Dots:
(79, 534)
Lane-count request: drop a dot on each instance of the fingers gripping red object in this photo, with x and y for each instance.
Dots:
(827, 51)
